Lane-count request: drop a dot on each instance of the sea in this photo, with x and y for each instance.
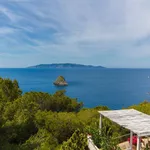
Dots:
(115, 88)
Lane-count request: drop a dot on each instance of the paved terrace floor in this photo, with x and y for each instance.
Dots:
(125, 145)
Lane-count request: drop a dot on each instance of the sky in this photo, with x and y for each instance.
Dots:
(110, 33)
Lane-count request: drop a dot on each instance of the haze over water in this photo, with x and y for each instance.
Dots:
(115, 88)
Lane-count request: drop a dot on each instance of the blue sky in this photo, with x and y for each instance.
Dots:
(111, 33)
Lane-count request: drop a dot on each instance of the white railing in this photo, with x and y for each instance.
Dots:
(91, 144)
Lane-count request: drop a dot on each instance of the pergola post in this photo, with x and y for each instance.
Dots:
(131, 134)
(138, 143)
(100, 123)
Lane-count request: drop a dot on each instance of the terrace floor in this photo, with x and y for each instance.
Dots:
(126, 145)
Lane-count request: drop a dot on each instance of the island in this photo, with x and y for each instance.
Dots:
(60, 81)
(65, 65)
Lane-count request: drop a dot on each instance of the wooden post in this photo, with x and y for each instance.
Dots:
(131, 134)
(100, 124)
(138, 143)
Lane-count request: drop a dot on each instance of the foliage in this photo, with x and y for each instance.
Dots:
(41, 141)
(77, 141)
(43, 121)
(9, 90)
(109, 143)
(35, 120)
(143, 107)
(147, 147)
(95, 133)
(62, 125)
(104, 139)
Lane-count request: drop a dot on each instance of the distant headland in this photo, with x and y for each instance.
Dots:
(64, 65)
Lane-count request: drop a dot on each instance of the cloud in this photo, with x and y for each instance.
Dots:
(6, 31)
(80, 30)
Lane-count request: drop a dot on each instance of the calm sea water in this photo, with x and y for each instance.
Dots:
(115, 88)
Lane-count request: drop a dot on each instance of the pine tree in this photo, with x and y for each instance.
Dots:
(77, 141)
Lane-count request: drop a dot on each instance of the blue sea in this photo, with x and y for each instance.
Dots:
(115, 88)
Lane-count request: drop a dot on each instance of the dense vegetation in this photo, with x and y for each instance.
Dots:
(42, 121)
(38, 120)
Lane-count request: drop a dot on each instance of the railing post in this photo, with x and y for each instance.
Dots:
(100, 124)
(138, 142)
(131, 134)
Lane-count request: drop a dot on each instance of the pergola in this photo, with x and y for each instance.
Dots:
(133, 120)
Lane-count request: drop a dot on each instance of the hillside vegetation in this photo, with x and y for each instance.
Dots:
(42, 121)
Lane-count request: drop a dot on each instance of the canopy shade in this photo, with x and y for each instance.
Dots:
(131, 119)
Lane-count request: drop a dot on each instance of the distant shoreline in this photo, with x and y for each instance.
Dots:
(64, 65)
(32, 67)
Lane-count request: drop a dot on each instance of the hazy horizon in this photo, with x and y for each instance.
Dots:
(113, 34)
(105, 67)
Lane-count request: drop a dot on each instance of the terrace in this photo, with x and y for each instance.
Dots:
(136, 122)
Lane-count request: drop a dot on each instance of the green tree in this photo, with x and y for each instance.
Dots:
(62, 125)
(43, 140)
(9, 90)
(143, 107)
(78, 141)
